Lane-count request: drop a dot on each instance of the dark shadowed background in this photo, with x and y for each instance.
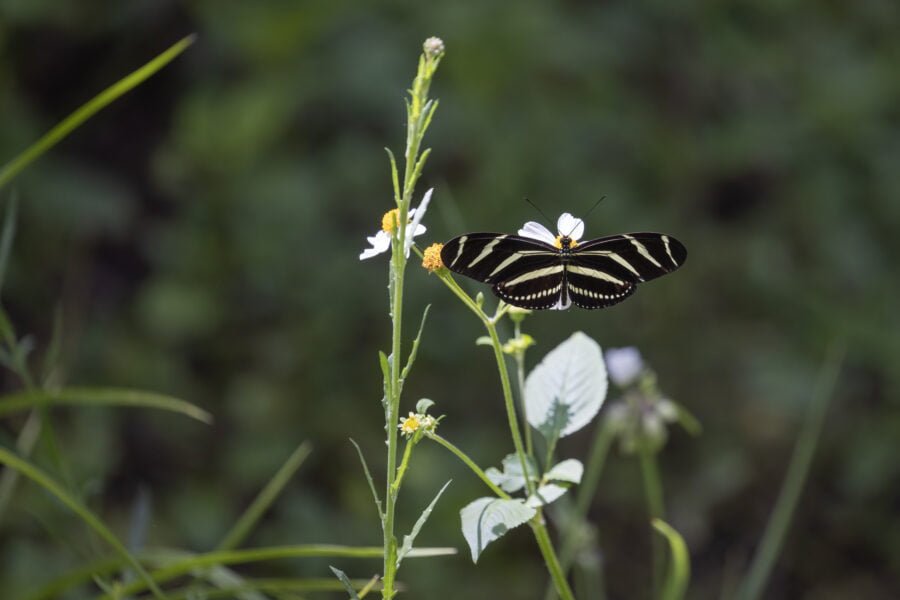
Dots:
(201, 237)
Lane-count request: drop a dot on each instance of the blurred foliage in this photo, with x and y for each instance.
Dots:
(201, 238)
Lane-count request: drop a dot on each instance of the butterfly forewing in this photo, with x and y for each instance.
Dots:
(635, 257)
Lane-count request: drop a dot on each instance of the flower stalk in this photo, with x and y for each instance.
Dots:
(420, 111)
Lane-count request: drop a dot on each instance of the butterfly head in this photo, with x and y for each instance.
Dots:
(565, 243)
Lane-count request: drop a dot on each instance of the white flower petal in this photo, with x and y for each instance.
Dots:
(416, 215)
(380, 242)
(536, 231)
(570, 226)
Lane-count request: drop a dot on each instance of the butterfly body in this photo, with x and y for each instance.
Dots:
(531, 272)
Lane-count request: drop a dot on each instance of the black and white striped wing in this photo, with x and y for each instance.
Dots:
(523, 272)
(605, 271)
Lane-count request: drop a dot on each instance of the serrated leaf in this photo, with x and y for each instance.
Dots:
(409, 539)
(488, 519)
(566, 390)
(569, 470)
(423, 405)
(547, 493)
(345, 581)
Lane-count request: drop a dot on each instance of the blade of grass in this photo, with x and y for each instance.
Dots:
(679, 572)
(89, 109)
(42, 479)
(242, 528)
(199, 561)
(272, 586)
(78, 396)
(365, 467)
(8, 235)
(776, 529)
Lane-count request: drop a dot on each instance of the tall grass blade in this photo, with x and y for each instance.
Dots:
(9, 171)
(100, 397)
(679, 574)
(244, 525)
(43, 480)
(776, 529)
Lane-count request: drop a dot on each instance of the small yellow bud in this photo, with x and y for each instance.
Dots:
(432, 258)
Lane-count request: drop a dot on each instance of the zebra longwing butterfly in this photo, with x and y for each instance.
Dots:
(538, 270)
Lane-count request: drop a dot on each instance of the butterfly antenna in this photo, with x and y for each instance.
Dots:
(537, 208)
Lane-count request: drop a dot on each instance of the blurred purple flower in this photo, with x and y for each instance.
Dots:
(624, 365)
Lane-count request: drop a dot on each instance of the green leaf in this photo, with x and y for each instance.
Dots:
(546, 494)
(569, 470)
(409, 539)
(370, 480)
(484, 341)
(512, 479)
(423, 405)
(415, 347)
(43, 480)
(679, 574)
(244, 525)
(77, 396)
(394, 176)
(87, 110)
(566, 390)
(345, 581)
(385, 361)
(488, 519)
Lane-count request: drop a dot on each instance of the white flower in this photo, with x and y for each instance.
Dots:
(624, 365)
(566, 226)
(381, 241)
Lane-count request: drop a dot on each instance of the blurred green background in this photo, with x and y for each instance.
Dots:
(201, 239)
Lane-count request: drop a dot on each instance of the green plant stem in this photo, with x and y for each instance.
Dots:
(419, 113)
(773, 537)
(653, 491)
(599, 451)
(404, 464)
(537, 523)
(471, 464)
(546, 546)
(89, 109)
(520, 377)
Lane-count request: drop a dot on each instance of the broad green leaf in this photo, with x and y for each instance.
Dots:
(100, 397)
(679, 574)
(511, 479)
(345, 581)
(566, 390)
(569, 470)
(409, 539)
(546, 493)
(487, 519)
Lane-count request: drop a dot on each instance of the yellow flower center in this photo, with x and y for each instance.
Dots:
(410, 424)
(558, 242)
(389, 220)
(432, 258)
